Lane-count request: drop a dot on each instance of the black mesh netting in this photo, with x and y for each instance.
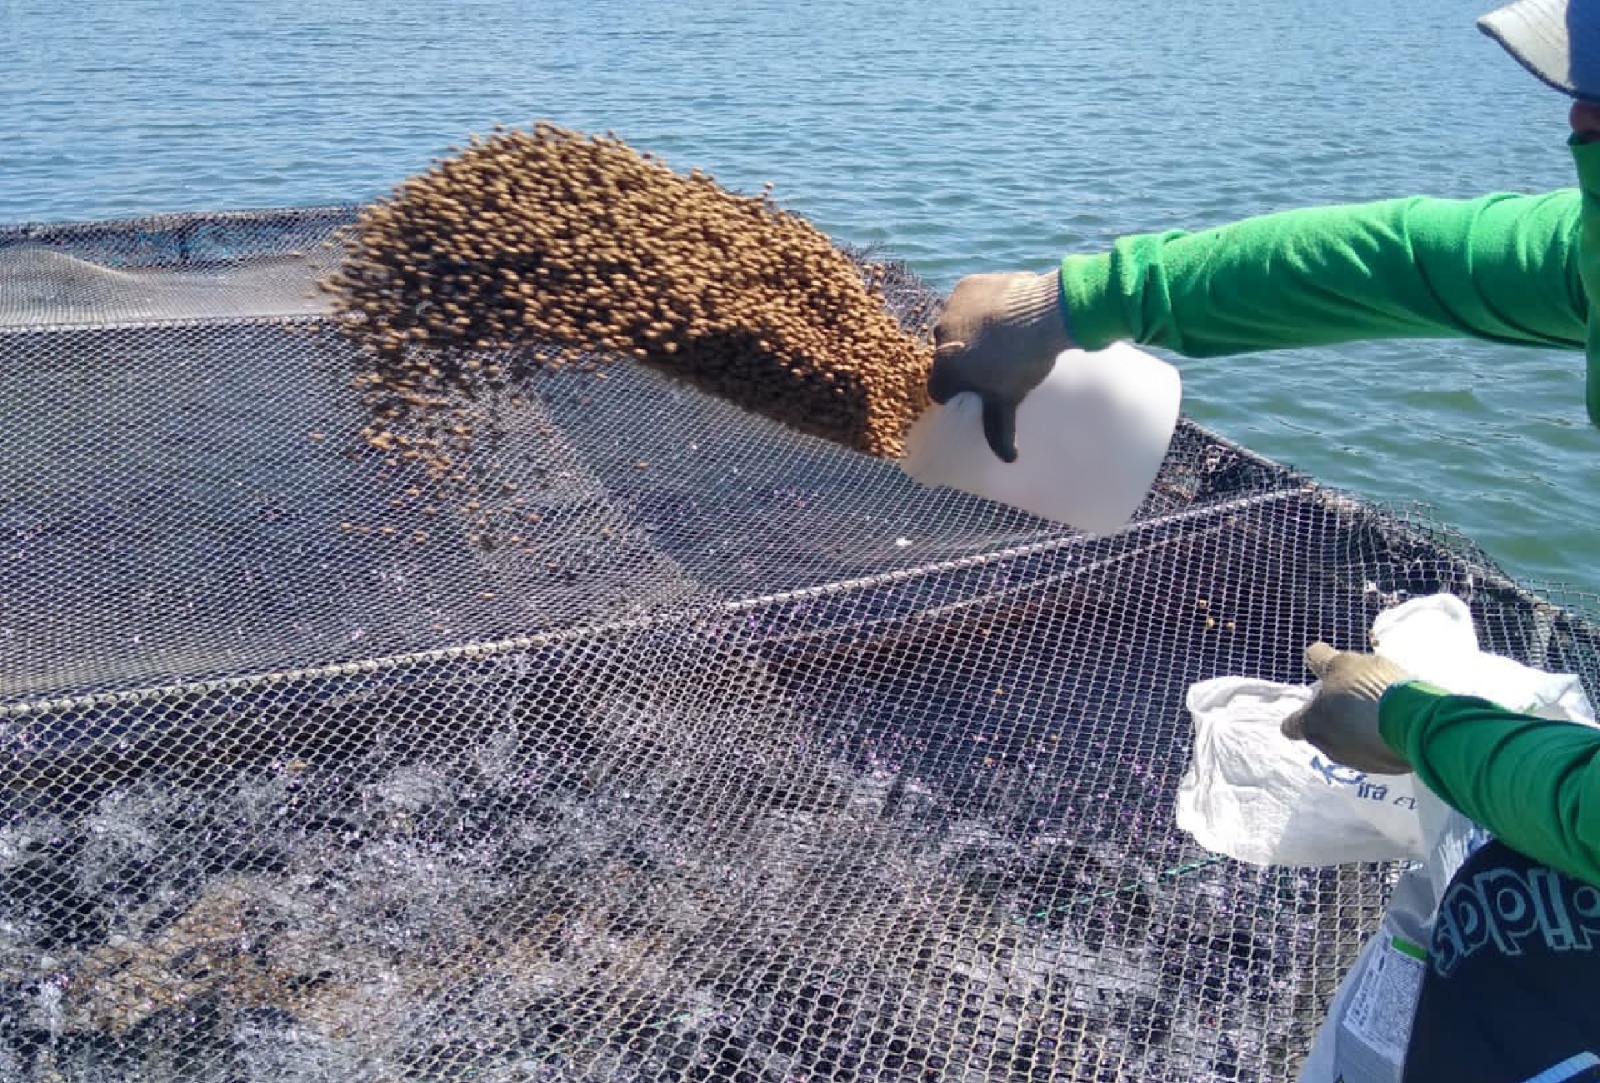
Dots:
(744, 758)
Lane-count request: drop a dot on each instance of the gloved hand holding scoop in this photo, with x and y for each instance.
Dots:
(1026, 418)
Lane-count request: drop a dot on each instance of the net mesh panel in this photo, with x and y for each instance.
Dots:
(748, 760)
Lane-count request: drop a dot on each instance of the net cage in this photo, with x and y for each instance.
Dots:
(745, 758)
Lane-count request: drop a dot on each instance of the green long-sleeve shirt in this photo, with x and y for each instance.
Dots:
(1533, 782)
(1506, 267)
(1503, 267)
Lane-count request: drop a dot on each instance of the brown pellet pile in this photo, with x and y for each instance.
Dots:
(553, 236)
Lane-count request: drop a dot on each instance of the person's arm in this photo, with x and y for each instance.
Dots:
(1505, 267)
(1534, 783)
(1584, 145)
(1501, 267)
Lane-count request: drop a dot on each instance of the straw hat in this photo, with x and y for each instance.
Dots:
(1557, 40)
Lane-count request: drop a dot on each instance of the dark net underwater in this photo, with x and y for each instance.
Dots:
(661, 743)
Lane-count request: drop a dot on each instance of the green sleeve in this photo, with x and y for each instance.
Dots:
(1532, 782)
(1503, 267)
(1586, 157)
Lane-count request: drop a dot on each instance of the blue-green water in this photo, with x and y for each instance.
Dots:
(962, 136)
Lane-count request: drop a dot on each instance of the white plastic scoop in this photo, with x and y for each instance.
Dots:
(1090, 440)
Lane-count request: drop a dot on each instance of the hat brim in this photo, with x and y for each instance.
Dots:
(1557, 40)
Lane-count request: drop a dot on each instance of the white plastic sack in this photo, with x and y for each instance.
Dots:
(1367, 1032)
(1368, 1028)
(1258, 797)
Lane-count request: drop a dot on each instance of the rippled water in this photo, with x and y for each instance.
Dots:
(963, 137)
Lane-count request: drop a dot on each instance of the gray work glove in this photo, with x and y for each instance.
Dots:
(998, 338)
(1342, 719)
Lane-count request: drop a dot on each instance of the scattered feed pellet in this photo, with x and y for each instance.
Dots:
(553, 237)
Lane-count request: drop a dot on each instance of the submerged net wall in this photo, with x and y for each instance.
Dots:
(741, 758)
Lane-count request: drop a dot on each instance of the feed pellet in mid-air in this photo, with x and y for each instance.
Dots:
(553, 236)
